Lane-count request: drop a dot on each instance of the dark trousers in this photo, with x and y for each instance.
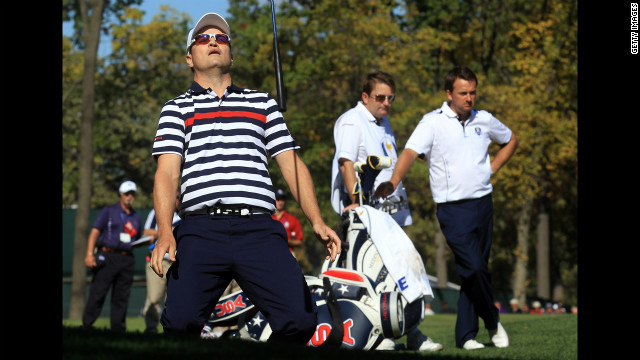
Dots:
(212, 250)
(468, 226)
(117, 274)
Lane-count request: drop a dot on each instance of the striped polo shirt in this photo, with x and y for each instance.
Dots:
(224, 144)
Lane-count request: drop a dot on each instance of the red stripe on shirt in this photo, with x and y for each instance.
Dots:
(210, 115)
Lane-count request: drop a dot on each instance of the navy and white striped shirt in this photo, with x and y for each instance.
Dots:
(223, 143)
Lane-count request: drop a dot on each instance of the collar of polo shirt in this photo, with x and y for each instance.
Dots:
(197, 89)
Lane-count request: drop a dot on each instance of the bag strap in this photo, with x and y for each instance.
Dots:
(337, 331)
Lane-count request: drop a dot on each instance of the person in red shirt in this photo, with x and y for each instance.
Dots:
(290, 222)
(537, 308)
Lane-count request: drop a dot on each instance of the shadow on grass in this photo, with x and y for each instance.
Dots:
(98, 344)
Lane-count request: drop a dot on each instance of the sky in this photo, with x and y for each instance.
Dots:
(195, 9)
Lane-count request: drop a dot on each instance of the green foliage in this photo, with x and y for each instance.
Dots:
(70, 12)
(524, 53)
(72, 68)
(145, 69)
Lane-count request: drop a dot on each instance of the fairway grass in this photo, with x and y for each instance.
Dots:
(532, 337)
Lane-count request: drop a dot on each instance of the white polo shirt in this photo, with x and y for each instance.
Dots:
(357, 135)
(458, 156)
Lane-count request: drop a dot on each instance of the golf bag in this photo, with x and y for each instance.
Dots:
(359, 303)
(360, 254)
(351, 314)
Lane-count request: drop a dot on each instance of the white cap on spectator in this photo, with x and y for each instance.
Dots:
(127, 186)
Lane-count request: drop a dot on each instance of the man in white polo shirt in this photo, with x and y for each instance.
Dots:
(362, 131)
(455, 141)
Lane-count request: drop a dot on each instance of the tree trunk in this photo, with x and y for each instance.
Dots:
(91, 22)
(522, 252)
(543, 278)
(441, 259)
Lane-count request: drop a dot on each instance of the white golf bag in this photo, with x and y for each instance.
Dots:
(351, 314)
(359, 302)
(360, 254)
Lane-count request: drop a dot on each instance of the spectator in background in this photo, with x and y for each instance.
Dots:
(110, 256)
(550, 308)
(515, 307)
(525, 308)
(291, 223)
(558, 308)
(501, 309)
(537, 308)
(156, 286)
(428, 310)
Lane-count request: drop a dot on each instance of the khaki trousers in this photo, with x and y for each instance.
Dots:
(156, 294)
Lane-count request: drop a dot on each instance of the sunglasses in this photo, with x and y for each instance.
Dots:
(380, 98)
(204, 39)
(130, 193)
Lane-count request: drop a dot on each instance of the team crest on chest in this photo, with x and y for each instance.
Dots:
(478, 131)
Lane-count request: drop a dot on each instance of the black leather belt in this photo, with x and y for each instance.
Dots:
(231, 210)
(122, 252)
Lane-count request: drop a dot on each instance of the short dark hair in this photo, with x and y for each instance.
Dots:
(459, 72)
(376, 77)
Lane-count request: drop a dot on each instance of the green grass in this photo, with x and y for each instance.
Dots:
(532, 337)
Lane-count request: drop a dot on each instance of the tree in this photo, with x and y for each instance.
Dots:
(72, 70)
(91, 25)
(90, 14)
(543, 107)
(145, 69)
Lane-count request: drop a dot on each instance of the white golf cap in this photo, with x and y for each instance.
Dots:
(127, 186)
(208, 19)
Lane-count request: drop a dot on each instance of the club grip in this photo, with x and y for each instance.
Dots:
(379, 162)
(375, 162)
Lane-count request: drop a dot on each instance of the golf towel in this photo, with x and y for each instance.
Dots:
(397, 252)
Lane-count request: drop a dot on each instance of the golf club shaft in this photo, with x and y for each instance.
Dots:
(277, 63)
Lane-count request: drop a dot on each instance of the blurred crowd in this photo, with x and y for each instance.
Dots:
(549, 308)
(515, 308)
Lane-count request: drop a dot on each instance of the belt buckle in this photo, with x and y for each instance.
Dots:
(245, 211)
(227, 211)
